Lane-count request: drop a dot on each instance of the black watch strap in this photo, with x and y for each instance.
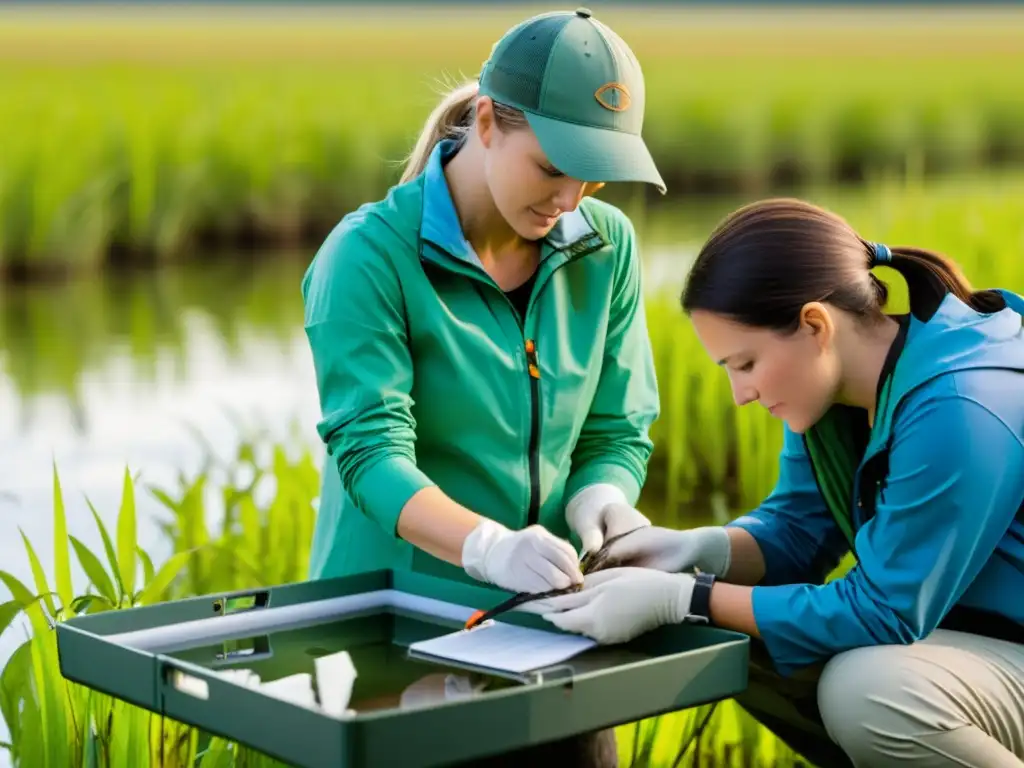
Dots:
(700, 602)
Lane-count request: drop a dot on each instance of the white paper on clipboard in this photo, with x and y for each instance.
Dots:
(504, 647)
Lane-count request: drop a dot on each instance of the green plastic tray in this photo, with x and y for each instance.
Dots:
(167, 659)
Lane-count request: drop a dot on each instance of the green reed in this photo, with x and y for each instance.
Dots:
(51, 721)
(141, 136)
(266, 515)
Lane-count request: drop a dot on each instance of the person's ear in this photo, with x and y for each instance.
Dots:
(816, 322)
(485, 124)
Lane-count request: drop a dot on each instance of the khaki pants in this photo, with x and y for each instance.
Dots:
(951, 699)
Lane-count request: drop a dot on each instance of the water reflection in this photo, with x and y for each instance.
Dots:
(99, 374)
(141, 327)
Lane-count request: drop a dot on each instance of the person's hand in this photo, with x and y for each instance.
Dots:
(599, 512)
(530, 560)
(618, 604)
(665, 549)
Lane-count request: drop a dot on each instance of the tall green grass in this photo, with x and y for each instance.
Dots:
(266, 515)
(56, 723)
(138, 136)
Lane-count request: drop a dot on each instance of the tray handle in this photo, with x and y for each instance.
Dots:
(238, 602)
(184, 681)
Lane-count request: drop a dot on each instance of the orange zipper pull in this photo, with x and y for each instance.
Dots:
(531, 359)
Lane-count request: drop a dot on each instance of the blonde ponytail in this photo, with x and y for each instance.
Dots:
(449, 120)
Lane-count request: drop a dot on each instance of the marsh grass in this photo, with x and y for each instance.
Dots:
(138, 137)
(51, 721)
(266, 513)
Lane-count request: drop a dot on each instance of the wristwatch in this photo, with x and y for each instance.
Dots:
(700, 602)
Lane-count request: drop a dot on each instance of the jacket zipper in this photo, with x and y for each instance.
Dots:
(533, 369)
(576, 251)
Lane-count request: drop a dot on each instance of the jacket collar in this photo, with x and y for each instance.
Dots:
(441, 220)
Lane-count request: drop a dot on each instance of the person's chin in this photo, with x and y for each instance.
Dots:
(540, 223)
(797, 426)
(533, 231)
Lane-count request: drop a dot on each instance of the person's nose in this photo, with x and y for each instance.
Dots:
(569, 194)
(743, 393)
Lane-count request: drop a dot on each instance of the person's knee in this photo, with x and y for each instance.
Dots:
(871, 702)
(899, 702)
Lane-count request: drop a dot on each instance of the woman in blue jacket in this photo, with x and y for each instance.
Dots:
(904, 444)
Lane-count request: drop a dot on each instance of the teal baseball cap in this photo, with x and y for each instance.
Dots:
(582, 91)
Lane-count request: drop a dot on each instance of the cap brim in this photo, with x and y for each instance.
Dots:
(595, 154)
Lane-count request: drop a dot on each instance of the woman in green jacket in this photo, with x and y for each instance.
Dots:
(478, 336)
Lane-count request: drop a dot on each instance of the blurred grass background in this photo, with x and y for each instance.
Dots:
(141, 134)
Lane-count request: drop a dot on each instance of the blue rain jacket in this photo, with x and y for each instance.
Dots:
(946, 526)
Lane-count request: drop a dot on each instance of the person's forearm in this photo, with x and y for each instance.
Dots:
(732, 608)
(746, 562)
(433, 522)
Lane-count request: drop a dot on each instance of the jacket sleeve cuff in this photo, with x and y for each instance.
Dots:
(383, 489)
(604, 473)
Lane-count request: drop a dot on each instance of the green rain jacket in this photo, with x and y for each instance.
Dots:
(423, 369)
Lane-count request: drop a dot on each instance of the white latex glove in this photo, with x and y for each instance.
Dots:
(665, 549)
(616, 605)
(600, 511)
(530, 560)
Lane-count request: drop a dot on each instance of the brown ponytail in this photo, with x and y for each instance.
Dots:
(765, 261)
(930, 276)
